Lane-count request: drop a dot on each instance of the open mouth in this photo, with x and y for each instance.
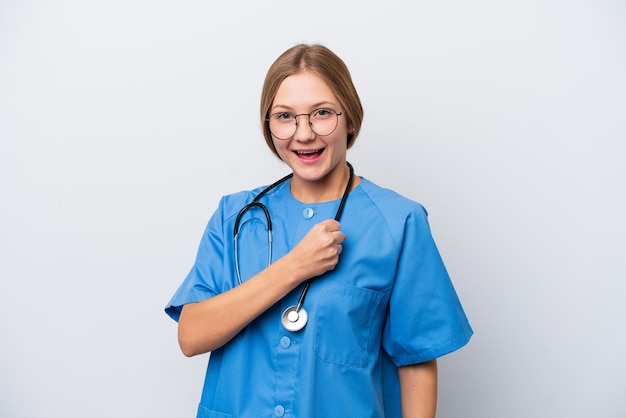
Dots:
(309, 155)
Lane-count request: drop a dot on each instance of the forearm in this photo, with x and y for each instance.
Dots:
(207, 325)
(418, 389)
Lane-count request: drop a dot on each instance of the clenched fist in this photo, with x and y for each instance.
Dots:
(319, 250)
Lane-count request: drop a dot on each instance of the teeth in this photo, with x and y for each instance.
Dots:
(308, 152)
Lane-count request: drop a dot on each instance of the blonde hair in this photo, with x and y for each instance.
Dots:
(329, 67)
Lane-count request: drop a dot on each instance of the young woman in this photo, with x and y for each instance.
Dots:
(322, 295)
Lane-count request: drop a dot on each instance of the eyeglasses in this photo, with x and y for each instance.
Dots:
(323, 122)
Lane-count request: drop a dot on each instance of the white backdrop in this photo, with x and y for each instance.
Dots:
(123, 122)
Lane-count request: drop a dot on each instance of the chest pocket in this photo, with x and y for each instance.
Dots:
(348, 324)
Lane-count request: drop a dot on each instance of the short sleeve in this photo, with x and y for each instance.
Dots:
(203, 280)
(425, 318)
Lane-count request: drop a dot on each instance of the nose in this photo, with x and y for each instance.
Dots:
(304, 132)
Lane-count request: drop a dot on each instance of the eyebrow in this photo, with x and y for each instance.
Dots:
(315, 106)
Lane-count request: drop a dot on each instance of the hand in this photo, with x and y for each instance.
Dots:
(319, 250)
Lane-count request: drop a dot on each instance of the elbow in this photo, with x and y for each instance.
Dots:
(188, 346)
(188, 334)
(194, 339)
(191, 345)
(188, 350)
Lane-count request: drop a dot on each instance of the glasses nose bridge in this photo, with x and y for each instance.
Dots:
(295, 117)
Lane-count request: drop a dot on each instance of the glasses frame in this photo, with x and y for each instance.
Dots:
(337, 114)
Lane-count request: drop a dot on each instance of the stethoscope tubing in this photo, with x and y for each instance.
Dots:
(255, 203)
(307, 284)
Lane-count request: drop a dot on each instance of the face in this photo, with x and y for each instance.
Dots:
(313, 158)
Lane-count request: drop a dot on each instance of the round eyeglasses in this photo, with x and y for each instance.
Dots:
(323, 122)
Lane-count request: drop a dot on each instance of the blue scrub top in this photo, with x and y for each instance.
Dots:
(388, 303)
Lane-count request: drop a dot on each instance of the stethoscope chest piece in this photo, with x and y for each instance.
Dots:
(294, 319)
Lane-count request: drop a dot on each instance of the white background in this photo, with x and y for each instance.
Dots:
(123, 122)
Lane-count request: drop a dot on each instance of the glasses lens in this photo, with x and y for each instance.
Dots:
(322, 122)
(282, 125)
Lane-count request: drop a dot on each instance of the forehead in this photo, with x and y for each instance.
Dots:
(303, 89)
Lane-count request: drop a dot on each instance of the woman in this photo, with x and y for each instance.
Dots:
(363, 339)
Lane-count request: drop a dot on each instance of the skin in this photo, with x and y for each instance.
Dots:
(418, 389)
(320, 174)
(323, 177)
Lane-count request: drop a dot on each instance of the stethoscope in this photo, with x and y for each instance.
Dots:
(295, 317)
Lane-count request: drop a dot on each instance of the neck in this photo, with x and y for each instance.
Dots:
(331, 187)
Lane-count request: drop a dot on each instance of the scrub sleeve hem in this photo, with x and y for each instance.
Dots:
(176, 306)
(433, 353)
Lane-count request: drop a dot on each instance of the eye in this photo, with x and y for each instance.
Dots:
(323, 113)
(282, 116)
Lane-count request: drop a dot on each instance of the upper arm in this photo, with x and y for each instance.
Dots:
(418, 389)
